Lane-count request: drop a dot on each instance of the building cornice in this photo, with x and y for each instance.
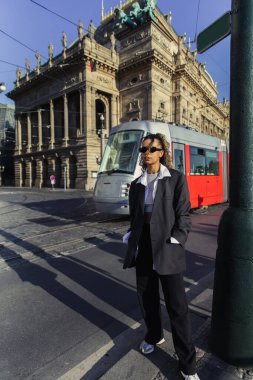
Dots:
(210, 100)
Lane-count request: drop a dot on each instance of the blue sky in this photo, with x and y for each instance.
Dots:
(36, 28)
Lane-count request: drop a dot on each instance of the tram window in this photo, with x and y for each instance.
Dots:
(212, 162)
(203, 161)
(179, 160)
(197, 161)
(121, 152)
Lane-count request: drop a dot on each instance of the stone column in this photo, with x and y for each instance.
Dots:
(17, 172)
(86, 108)
(20, 174)
(52, 126)
(149, 102)
(39, 174)
(66, 119)
(114, 110)
(29, 174)
(29, 133)
(89, 132)
(81, 112)
(40, 142)
(93, 106)
(18, 134)
(118, 108)
(178, 114)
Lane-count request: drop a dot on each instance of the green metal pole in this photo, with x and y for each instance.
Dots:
(232, 318)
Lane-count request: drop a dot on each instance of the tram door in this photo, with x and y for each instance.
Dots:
(179, 157)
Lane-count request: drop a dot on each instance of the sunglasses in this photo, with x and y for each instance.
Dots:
(151, 149)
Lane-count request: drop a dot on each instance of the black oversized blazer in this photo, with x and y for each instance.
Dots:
(170, 218)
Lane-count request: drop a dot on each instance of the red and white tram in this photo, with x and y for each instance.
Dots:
(202, 158)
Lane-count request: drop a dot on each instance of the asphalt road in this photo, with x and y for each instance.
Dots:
(63, 291)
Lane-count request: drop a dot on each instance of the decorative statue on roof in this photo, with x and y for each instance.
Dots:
(149, 8)
(38, 57)
(27, 67)
(124, 19)
(64, 40)
(18, 74)
(136, 13)
(80, 30)
(50, 51)
(113, 41)
(168, 17)
(91, 29)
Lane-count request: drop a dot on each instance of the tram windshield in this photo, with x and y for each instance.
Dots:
(121, 152)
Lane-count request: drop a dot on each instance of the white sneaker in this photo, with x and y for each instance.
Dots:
(190, 377)
(147, 348)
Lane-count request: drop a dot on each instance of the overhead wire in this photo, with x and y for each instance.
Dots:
(55, 13)
(25, 45)
(12, 64)
(60, 16)
(214, 60)
(197, 18)
(195, 40)
(21, 43)
(28, 47)
(73, 23)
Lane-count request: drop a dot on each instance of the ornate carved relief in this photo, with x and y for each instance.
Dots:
(161, 39)
(72, 80)
(101, 79)
(136, 37)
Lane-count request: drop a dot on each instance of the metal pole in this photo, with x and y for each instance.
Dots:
(101, 145)
(101, 137)
(232, 318)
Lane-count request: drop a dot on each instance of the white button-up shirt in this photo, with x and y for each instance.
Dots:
(163, 172)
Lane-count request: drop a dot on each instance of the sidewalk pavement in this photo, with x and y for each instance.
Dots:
(121, 359)
(110, 362)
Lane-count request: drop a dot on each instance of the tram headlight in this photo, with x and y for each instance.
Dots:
(124, 189)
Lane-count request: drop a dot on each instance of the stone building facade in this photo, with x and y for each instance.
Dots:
(112, 74)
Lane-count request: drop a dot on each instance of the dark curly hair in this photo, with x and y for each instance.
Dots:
(166, 158)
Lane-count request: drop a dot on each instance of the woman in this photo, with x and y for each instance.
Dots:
(160, 223)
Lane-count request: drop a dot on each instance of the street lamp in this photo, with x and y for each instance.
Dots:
(2, 87)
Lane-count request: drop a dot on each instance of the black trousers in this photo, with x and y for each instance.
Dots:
(175, 300)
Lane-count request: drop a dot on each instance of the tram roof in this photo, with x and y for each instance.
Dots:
(175, 132)
(145, 125)
(184, 135)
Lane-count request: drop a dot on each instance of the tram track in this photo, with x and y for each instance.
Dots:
(33, 247)
(33, 228)
(56, 230)
(19, 256)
